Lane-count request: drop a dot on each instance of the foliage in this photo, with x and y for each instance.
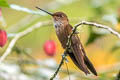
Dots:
(3, 3)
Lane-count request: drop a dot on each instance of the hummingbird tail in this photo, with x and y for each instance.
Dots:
(87, 63)
(90, 65)
(75, 62)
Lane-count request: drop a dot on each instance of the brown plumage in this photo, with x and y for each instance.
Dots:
(76, 52)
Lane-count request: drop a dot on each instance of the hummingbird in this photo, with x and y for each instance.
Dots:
(77, 53)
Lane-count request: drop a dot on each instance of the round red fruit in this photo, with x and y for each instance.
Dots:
(3, 38)
(50, 48)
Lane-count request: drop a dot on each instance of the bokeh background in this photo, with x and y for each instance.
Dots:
(28, 59)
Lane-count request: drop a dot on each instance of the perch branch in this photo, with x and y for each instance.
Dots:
(69, 40)
(100, 26)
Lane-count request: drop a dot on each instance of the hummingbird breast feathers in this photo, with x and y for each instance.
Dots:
(57, 23)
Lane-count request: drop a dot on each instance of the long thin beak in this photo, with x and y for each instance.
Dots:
(45, 11)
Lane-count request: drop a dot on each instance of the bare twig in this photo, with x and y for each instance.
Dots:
(70, 36)
(19, 35)
(100, 26)
(61, 63)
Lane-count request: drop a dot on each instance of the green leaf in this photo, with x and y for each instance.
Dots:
(3, 3)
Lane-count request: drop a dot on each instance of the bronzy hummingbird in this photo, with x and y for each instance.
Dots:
(77, 53)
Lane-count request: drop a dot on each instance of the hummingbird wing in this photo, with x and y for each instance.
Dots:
(88, 63)
(78, 54)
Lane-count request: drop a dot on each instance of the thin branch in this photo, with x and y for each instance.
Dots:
(24, 9)
(61, 63)
(70, 36)
(19, 35)
(99, 26)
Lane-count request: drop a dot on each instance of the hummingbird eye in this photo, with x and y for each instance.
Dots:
(61, 16)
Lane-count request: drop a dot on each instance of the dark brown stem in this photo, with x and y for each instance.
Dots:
(61, 63)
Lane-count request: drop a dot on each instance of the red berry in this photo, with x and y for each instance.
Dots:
(50, 48)
(3, 38)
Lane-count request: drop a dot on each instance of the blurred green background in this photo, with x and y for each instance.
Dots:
(102, 47)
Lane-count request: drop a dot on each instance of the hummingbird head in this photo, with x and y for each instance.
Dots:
(58, 17)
